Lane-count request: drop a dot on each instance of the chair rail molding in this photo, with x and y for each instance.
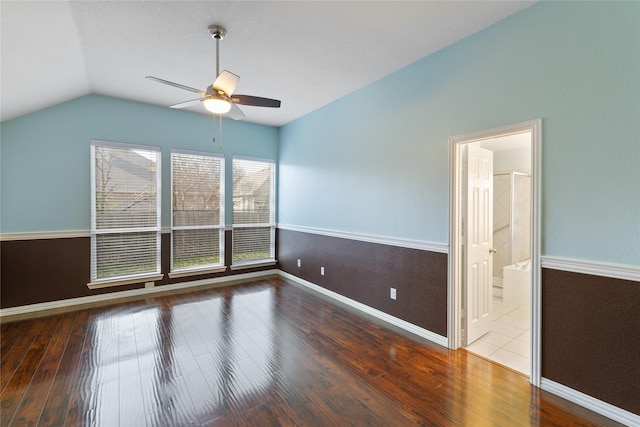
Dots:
(593, 268)
(382, 240)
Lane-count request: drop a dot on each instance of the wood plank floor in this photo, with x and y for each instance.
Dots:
(265, 353)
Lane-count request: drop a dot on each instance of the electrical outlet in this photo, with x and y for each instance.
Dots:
(392, 294)
(149, 284)
(299, 263)
(322, 271)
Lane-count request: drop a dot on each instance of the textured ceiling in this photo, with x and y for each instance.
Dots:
(305, 53)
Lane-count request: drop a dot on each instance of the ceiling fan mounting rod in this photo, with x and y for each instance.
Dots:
(217, 57)
(217, 32)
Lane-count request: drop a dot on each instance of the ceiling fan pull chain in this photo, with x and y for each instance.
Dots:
(214, 131)
(220, 136)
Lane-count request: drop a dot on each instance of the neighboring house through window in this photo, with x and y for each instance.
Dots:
(125, 212)
(197, 223)
(253, 211)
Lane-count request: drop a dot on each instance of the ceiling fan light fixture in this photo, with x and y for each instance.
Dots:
(217, 105)
(217, 98)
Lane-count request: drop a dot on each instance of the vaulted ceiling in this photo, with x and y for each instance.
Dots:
(305, 53)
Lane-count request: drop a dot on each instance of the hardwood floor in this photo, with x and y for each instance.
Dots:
(258, 354)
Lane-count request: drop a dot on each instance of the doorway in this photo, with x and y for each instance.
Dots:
(497, 322)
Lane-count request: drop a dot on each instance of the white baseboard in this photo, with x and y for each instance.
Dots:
(409, 327)
(71, 302)
(591, 403)
(221, 281)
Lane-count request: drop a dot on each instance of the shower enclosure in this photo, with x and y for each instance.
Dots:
(511, 220)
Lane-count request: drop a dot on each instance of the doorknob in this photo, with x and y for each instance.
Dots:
(493, 251)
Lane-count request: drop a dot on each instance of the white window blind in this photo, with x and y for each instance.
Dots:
(253, 210)
(125, 211)
(197, 199)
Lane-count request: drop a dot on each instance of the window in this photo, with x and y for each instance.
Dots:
(125, 212)
(197, 221)
(253, 211)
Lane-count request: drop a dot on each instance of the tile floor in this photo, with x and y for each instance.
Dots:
(509, 341)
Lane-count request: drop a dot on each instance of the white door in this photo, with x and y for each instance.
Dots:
(479, 241)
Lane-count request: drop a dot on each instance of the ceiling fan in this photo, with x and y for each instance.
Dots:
(219, 98)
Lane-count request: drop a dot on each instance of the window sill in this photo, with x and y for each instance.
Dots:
(194, 272)
(253, 264)
(129, 281)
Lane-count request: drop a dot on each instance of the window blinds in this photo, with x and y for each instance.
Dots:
(253, 210)
(197, 199)
(125, 214)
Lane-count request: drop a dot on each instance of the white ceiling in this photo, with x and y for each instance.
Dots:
(305, 53)
(507, 142)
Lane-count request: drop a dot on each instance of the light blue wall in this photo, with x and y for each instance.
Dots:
(45, 161)
(377, 167)
(376, 161)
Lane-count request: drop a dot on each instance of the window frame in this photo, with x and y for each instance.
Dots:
(205, 268)
(271, 260)
(96, 282)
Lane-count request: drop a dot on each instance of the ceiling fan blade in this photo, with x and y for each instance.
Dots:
(235, 113)
(187, 103)
(178, 85)
(255, 101)
(226, 82)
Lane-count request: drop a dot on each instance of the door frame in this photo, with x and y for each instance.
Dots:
(454, 284)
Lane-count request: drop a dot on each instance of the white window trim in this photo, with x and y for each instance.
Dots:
(243, 265)
(209, 268)
(129, 281)
(133, 278)
(195, 271)
(239, 265)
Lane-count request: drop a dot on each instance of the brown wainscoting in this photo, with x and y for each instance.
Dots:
(44, 270)
(591, 336)
(365, 271)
